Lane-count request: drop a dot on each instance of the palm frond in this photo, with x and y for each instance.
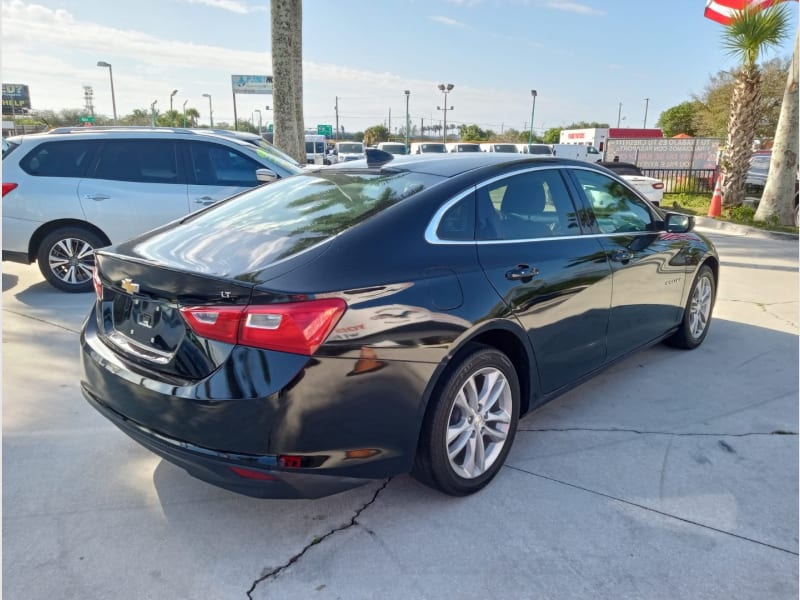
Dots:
(754, 30)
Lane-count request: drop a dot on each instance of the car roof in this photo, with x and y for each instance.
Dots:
(450, 165)
(63, 133)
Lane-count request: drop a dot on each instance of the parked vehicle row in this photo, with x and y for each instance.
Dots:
(385, 316)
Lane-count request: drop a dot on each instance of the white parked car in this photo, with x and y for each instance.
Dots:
(652, 188)
(347, 151)
(67, 194)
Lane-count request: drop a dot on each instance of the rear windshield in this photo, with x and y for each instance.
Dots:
(625, 169)
(433, 148)
(505, 148)
(468, 148)
(275, 221)
(351, 148)
(312, 147)
(534, 149)
(393, 148)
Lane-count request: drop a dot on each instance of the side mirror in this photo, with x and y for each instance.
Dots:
(266, 175)
(678, 223)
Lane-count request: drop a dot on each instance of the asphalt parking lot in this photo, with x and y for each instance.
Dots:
(672, 475)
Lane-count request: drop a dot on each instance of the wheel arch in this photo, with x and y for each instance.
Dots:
(46, 229)
(502, 335)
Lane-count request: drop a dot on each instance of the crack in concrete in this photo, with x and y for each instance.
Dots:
(40, 320)
(317, 540)
(646, 432)
(651, 509)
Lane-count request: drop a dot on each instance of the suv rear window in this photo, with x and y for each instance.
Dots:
(64, 158)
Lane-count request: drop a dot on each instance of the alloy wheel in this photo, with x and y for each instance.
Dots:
(71, 260)
(479, 422)
(700, 307)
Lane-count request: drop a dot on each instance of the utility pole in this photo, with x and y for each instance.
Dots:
(646, 104)
(390, 122)
(336, 108)
(619, 115)
(422, 127)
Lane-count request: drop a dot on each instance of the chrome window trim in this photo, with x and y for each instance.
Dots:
(133, 347)
(433, 226)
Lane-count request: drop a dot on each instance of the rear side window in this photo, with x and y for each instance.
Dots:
(616, 208)
(64, 158)
(214, 164)
(141, 161)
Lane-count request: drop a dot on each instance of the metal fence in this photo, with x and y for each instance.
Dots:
(687, 181)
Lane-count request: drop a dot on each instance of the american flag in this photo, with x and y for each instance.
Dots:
(723, 11)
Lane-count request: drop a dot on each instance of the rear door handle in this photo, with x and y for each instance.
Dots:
(522, 272)
(96, 197)
(622, 256)
(205, 200)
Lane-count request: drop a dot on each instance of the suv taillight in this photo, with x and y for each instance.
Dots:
(659, 185)
(297, 327)
(7, 187)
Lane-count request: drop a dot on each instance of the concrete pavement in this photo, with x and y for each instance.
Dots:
(673, 474)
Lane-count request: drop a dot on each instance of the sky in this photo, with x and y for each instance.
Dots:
(588, 60)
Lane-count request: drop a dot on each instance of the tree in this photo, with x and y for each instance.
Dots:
(679, 119)
(376, 134)
(751, 31)
(472, 133)
(552, 135)
(714, 104)
(777, 201)
(287, 69)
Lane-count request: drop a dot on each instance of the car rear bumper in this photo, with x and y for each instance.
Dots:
(314, 426)
(262, 477)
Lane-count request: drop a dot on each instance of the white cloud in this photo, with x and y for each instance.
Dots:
(230, 5)
(465, 2)
(447, 21)
(574, 7)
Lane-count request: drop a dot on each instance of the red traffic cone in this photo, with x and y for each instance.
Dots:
(715, 208)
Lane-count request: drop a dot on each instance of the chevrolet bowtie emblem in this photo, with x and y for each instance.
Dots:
(129, 286)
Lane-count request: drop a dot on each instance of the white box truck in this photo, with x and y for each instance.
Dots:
(577, 152)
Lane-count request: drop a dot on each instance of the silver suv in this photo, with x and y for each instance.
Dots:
(66, 194)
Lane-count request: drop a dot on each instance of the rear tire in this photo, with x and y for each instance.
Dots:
(697, 314)
(469, 429)
(66, 258)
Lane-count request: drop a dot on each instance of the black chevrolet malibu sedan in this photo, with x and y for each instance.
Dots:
(384, 316)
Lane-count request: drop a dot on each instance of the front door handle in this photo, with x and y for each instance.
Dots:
(522, 273)
(205, 200)
(96, 197)
(622, 256)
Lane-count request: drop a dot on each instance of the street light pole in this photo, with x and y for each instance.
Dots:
(619, 115)
(533, 108)
(646, 104)
(153, 111)
(267, 108)
(258, 110)
(408, 121)
(446, 90)
(210, 112)
(102, 63)
(171, 96)
(184, 112)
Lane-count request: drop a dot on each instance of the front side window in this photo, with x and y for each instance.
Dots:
(526, 206)
(215, 164)
(616, 208)
(141, 161)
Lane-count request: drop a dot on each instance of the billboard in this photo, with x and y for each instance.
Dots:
(16, 98)
(666, 153)
(251, 84)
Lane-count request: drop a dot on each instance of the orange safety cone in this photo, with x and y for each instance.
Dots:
(715, 208)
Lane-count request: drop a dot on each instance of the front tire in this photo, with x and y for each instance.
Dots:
(697, 314)
(469, 429)
(66, 258)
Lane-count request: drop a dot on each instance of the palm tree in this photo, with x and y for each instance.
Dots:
(777, 201)
(750, 33)
(287, 69)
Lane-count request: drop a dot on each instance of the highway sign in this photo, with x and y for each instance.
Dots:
(326, 130)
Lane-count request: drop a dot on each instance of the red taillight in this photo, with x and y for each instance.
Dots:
(7, 187)
(250, 474)
(98, 285)
(659, 185)
(299, 327)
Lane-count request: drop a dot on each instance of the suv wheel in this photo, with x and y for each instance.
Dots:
(66, 258)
